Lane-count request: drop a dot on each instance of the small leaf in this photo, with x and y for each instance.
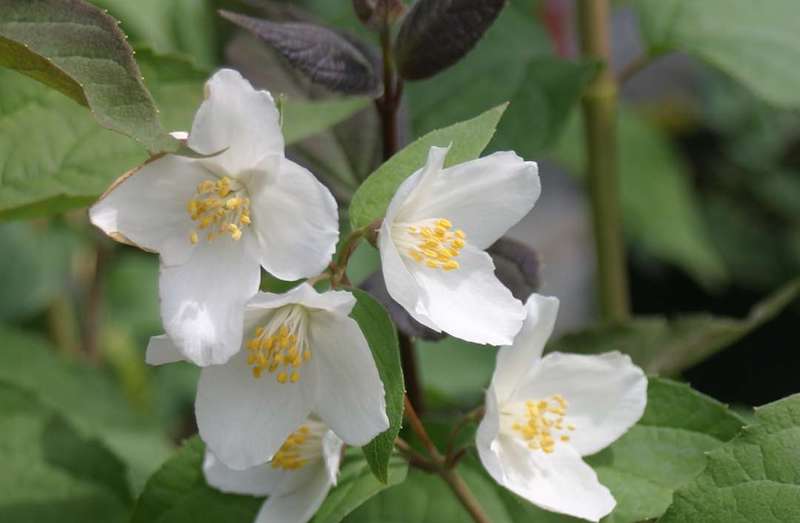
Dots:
(668, 346)
(755, 42)
(468, 140)
(77, 49)
(436, 34)
(304, 119)
(752, 478)
(382, 338)
(326, 57)
(355, 486)
(516, 266)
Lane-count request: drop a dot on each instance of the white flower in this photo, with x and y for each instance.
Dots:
(297, 479)
(432, 240)
(216, 221)
(544, 414)
(303, 354)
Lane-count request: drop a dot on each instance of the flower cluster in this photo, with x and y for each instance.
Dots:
(288, 379)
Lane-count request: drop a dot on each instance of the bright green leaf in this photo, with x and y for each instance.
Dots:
(178, 493)
(755, 477)
(380, 333)
(355, 486)
(660, 212)
(304, 119)
(668, 346)
(665, 450)
(53, 156)
(755, 42)
(77, 49)
(426, 498)
(86, 396)
(468, 140)
(50, 473)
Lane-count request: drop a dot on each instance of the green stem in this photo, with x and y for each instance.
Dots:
(600, 119)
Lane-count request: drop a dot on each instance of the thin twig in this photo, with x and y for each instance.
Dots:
(471, 416)
(419, 430)
(465, 495)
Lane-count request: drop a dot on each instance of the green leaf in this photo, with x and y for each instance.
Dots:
(304, 119)
(178, 493)
(550, 90)
(77, 49)
(456, 368)
(755, 42)
(186, 27)
(36, 273)
(468, 140)
(668, 346)
(660, 212)
(426, 498)
(355, 486)
(752, 478)
(380, 333)
(54, 157)
(87, 397)
(50, 473)
(665, 450)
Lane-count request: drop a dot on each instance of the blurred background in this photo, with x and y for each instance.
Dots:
(710, 176)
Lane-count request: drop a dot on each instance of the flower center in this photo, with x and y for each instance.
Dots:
(219, 207)
(430, 242)
(281, 346)
(541, 423)
(301, 448)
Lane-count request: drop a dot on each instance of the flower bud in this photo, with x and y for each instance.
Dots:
(377, 13)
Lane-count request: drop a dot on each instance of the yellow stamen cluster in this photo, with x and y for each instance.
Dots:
(278, 352)
(218, 209)
(544, 422)
(290, 455)
(436, 245)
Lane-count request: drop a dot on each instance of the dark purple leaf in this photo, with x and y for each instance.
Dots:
(326, 57)
(436, 34)
(517, 266)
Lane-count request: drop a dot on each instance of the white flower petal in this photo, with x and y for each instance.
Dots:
(148, 207)
(332, 454)
(244, 420)
(298, 506)
(469, 303)
(400, 283)
(254, 481)
(350, 395)
(237, 117)
(202, 301)
(340, 302)
(606, 395)
(296, 221)
(161, 350)
(558, 482)
(488, 430)
(516, 361)
(483, 197)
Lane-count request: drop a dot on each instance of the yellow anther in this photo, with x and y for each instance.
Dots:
(564, 438)
(416, 255)
(460, 234)
(444, 222)
(306, 355)
(433, 243)
(244, 219)
(295, 377)
(432, 264)
(451, 265)
(257, 372)
(440, 231)
(280, 347)
(542, 423)
(283, 331)
(193, 237)
(205, 187)
(457, 243)
(282, 377)
(212, 208)
(236, 233)
(232, 203)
